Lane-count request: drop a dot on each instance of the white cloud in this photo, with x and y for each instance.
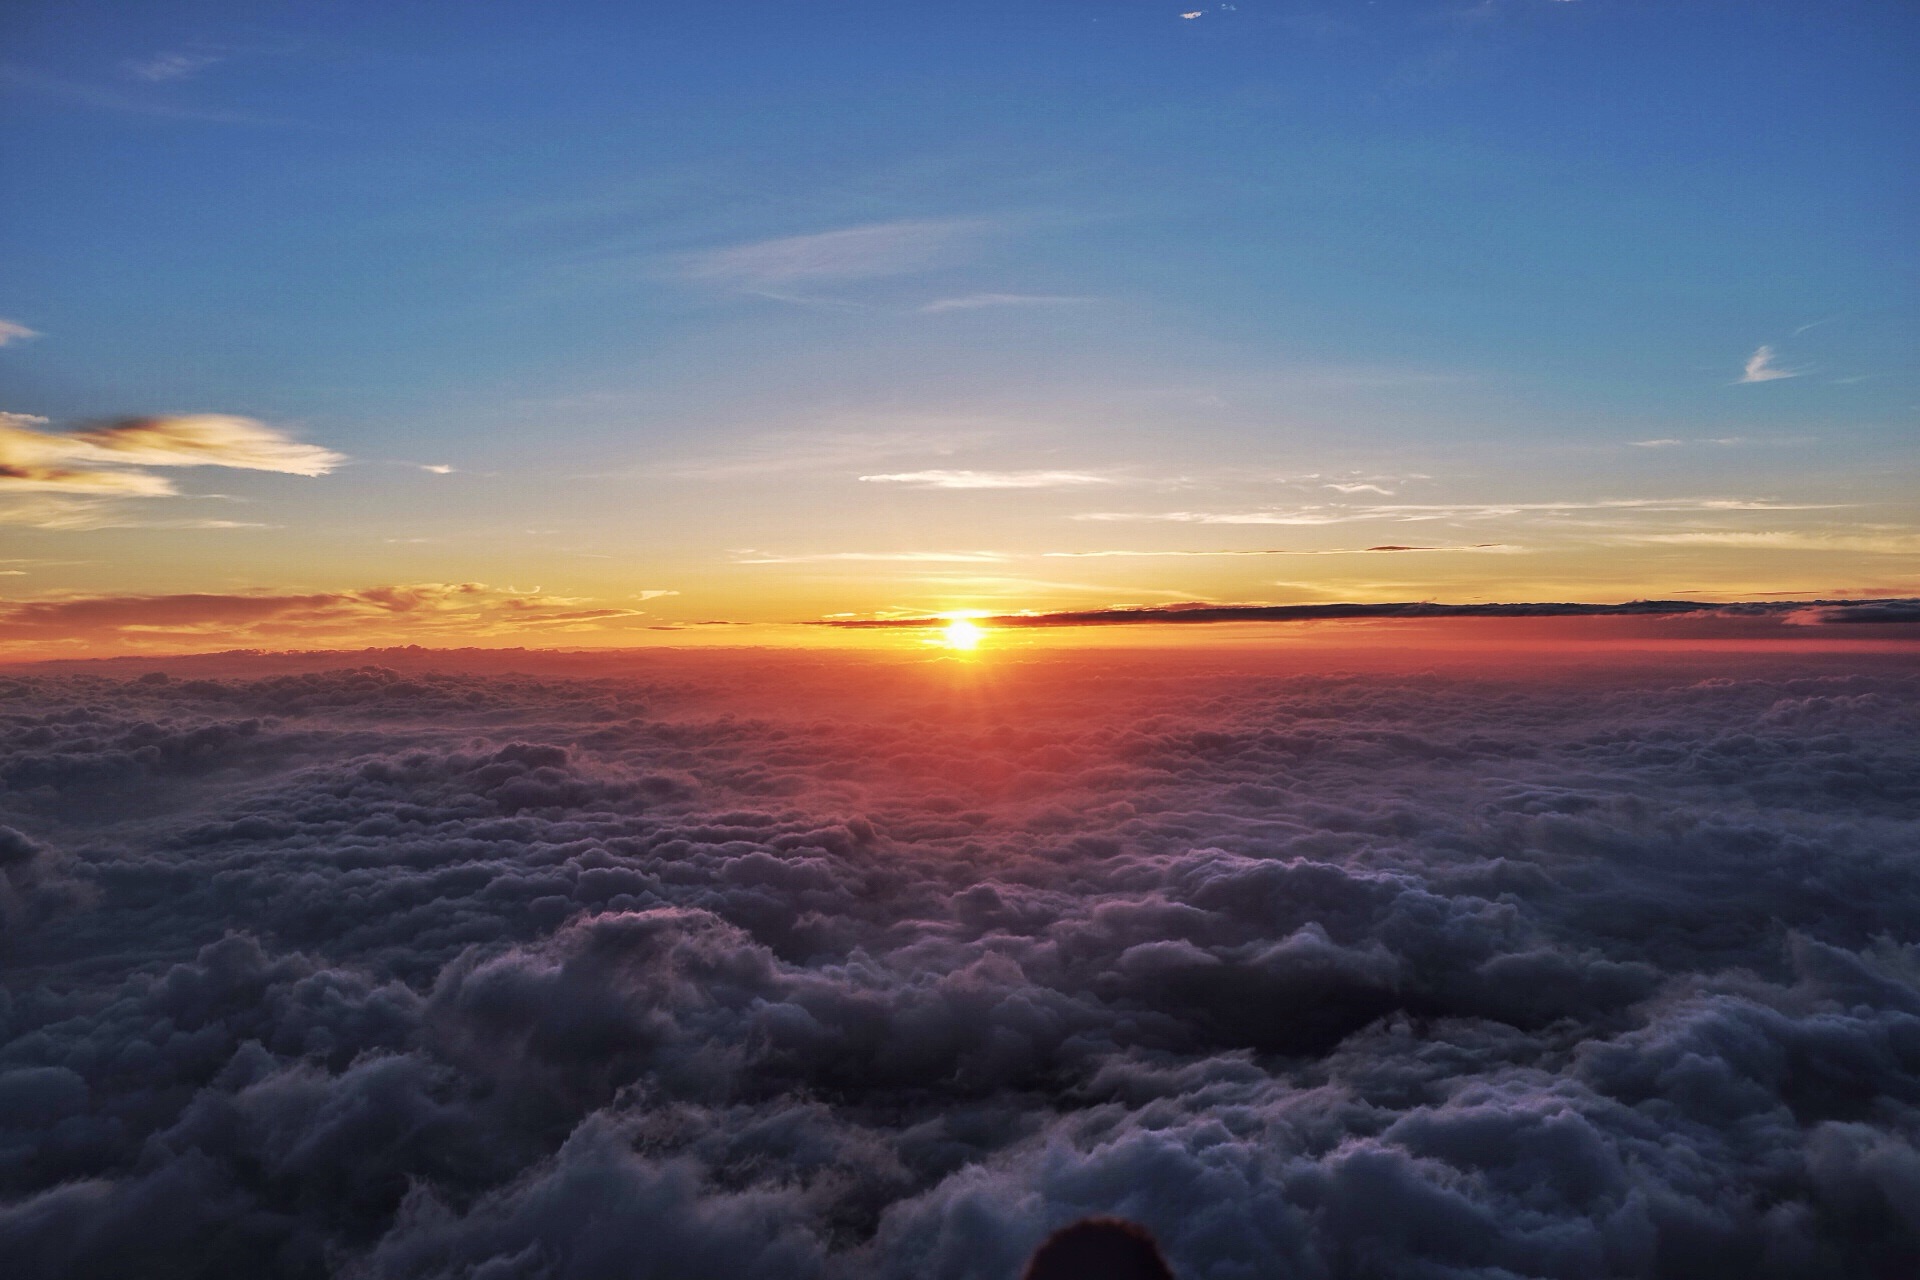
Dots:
(1668, 442)
(204, 440)
(1499, 548)
(975, 301)
(1760, 367)
(825, 451)
(990, 479)
(109, 459)
(11, 331)
(1887, 543)
(162, 67)
(65, 511)
(98, 98)
(852, 253)
(860, 557)
(1318, 514)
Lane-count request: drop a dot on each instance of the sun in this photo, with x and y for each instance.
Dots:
(962, 634)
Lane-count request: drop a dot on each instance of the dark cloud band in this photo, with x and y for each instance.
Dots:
(1812, 611)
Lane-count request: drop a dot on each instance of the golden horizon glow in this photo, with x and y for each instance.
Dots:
(962, 634)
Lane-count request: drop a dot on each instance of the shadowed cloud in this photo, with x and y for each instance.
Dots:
(438, 965)
(1199, 612)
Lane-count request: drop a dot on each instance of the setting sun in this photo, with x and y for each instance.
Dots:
(962, 634)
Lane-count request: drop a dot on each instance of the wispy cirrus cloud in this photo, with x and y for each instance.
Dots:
(1718, 442)
(1502, 548)
(83, 515)
(172, 65)
(77, 481)
(1329, 513)
(1760, 367)
(846, 255)
(1868, 541)
(11, 331)
(70, 513)
(872, 557)
(466, 608)
(111, 458)
(205, 440)
(143, 102)
(977, 301)
(824, 451)
(959, 479)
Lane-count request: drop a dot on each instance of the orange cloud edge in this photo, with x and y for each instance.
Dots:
(457, 623)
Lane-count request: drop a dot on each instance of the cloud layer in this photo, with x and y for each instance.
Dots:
(733, 965)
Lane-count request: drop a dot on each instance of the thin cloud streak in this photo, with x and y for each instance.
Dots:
(849, 254)
(820, 452)
(1784, 540)
(1322, 515)
(99, 99)
(990, 479)
(1201, 612)
(875, 557)
(163, 67)
(976, 301)
(107, 459)
(1489, 547)
(65, 513)
(206, 440)
(12, 331)
(457, 609)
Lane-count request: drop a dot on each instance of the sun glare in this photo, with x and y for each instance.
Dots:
(962, 634)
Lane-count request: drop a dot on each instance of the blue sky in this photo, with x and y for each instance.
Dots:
(662, 283)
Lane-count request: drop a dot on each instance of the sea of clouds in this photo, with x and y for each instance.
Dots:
(792, 966)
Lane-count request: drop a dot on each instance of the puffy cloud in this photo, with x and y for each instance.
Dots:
(816, 966)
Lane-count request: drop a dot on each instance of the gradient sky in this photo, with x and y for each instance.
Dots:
(539, 324)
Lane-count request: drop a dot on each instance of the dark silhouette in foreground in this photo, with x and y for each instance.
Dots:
(1098, 1249)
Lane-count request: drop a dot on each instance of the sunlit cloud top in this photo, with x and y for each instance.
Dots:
(110, 458)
